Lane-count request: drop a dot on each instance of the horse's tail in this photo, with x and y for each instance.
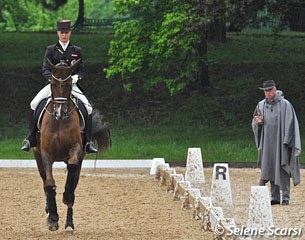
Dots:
(100, 131)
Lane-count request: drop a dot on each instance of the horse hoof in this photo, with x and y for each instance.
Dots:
(53, 226)
(69, 227)
(53, 223)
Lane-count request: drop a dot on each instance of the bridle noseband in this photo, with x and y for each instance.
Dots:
(60, 100)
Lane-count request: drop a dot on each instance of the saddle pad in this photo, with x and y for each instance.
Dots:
(41, 108)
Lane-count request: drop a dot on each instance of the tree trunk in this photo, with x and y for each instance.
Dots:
(81, 14)
(216, 31)
(203, 67)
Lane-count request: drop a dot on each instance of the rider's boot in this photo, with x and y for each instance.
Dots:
(30, 140)
(89, 148)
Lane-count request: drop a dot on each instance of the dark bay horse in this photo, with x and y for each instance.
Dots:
(60, 140)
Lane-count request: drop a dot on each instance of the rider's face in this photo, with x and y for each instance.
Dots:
(64, 36)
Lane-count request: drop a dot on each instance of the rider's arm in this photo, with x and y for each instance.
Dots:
(80, 69)
(46, 71)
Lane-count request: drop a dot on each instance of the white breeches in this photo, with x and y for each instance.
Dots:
(46, 92)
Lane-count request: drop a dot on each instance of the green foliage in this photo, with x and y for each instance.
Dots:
(152, 47)
(29, 15)
(165, 42)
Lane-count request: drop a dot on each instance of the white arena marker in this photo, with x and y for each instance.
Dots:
(221, 187)
(154, 165)
(216, 214)
(194, 168)
(207, 201)
(191, 197)
(260, 213)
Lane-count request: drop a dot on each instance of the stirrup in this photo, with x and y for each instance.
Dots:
(26, 146)
(89, 148)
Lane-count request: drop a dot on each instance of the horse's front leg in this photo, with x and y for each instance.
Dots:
(50, 191)
(74, 168)
(42, 173)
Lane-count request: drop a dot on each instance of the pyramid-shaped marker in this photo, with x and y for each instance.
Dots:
(194, 168)
(221, 187)
(154, 165)
(260, 213)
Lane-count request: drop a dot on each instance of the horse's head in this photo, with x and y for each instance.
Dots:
(61, 86)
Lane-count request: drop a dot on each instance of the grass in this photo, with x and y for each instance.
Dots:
(253, 49)
(169, 142)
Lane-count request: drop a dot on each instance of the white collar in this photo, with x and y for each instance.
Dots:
(64, 45)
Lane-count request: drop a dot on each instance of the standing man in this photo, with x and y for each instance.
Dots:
(277, 136)
(63, 52)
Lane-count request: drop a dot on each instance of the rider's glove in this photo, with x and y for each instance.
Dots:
(74, 78)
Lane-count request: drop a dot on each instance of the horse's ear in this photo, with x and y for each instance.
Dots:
(51, 65)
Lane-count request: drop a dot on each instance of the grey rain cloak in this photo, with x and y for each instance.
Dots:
(277, 139)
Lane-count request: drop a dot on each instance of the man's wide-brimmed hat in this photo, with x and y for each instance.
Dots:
(64, 25)
(268, 85)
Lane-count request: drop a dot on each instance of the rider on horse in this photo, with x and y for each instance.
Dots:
(65, 53)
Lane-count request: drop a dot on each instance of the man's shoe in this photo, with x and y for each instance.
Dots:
(26, 146)
(275, 202)
(285, 202)
(89, 148)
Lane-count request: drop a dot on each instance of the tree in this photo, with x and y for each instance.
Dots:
(27, 15)
(55, 4)
(165, 42)
(97, 8)
(151, 47)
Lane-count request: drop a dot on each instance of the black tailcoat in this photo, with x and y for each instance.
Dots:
(56, 54)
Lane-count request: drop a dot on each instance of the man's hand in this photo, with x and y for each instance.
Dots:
(259, 119)
(297, 152)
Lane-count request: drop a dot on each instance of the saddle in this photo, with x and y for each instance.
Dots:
(42, 106)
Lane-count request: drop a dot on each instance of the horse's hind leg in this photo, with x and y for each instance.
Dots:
(69, 194)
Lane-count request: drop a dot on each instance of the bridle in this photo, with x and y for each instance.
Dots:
(60, 104)
(60, 100)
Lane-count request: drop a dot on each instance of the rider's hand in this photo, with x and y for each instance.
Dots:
(74, 78)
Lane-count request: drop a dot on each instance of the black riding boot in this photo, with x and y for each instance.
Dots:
(89, 148)
(30, 140)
